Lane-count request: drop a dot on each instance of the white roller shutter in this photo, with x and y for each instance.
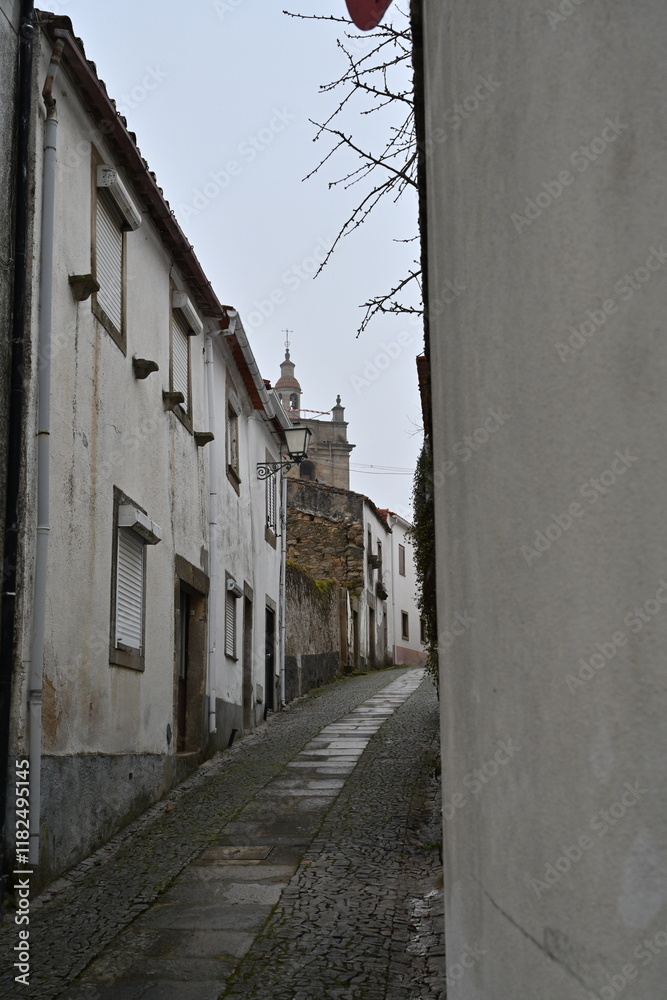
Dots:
(129, 589)
(230, 625)
(109, 263)
(180, 354)
(271, 502)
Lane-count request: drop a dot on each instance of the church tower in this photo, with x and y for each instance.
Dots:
(329, 450)
(287, 386)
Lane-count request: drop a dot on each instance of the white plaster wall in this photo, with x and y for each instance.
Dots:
(566, 414)
(242, 549)
(368, 596)
(404, 591)
(266, 557)
(109, 428)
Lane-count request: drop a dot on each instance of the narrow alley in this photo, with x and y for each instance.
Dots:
(300, 864)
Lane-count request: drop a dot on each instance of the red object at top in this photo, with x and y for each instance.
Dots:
(367, 14)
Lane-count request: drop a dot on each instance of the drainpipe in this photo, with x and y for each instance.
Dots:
(16, 397)
(36, 666)
(283, 572)
(212, 540)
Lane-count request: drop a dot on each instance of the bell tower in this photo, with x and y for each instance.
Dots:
(328, 460)
(287, 386)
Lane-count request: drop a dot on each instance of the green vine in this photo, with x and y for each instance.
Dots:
(423, 535)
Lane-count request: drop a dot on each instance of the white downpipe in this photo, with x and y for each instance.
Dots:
(283, 571)
(212, 540)
(36, 663)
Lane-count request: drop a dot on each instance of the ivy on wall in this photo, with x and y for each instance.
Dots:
(423, 537)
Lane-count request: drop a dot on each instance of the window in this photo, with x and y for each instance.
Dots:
(271, 530)
(271, 502)
(232, 594)
(405, 625)
(233, 446)
(380, 558)
(114, 213)
(133, 531)
(401, 560)
(108, 267)
(180, 360)
(185, 323)
(422, 631)
(230, 626)
(130, 575)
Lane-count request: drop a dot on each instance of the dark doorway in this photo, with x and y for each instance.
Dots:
(371, 637)
(183, 630)
(270, 660)
(355, 639)
(190, 657)
(247, 663)
(383, 638)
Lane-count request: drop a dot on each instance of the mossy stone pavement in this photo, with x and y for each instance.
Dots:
(300, 865)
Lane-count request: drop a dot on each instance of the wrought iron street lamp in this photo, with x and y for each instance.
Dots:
(296, 438)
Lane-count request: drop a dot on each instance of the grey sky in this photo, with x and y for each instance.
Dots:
(219, 93)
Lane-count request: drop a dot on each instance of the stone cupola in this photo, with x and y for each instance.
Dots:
(288, 388)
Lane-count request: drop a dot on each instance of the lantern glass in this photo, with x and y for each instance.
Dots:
(297, 441)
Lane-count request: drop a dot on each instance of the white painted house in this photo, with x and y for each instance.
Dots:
(149, 594)
(406, 630)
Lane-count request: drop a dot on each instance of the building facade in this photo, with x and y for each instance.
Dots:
(149, 592)
(406, 629)
(328, 448)
(15, 233)
(340, 535)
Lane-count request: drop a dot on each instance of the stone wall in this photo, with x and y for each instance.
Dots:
(328, 453)
(325, 532)
(312, 632)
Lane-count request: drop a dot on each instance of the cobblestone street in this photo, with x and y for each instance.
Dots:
(301, 864)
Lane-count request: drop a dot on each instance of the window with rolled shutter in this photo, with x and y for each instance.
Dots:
(130, 589)
(180, 358)
(109, 262)
(271, 502)
(232, 440)
(230, 625)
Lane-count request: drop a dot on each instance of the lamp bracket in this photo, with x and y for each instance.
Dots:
(266, 469)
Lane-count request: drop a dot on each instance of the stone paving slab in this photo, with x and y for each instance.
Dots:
(188, 943)
(350, 923)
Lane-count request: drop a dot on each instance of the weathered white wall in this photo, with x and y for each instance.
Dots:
(106, 729)
(404, 596)
(243, 550)
(368, 598)
(110, 732)
(549, 564)
(110, 429)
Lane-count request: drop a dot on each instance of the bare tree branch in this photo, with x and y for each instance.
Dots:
(379, 77)
(388, 303)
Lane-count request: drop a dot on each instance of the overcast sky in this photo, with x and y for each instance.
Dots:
(220, 93)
